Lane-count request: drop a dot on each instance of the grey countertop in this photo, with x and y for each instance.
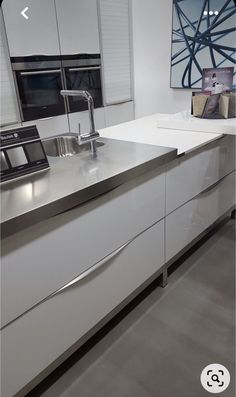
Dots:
(72, 181)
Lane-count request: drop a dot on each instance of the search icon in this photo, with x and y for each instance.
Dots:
(215, 378)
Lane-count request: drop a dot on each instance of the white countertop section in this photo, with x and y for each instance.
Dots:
(185, 121)
(145, 130)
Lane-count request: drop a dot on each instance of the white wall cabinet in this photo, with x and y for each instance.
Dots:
(37, 35)
(82, 118)
(9, 112)
(78, 26)
(72, 27)
(119, 113)
(50, 126)
(103, 117)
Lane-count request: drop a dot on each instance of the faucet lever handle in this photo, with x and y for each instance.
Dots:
(79, 129)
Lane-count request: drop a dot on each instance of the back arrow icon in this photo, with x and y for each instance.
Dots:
(23, 13)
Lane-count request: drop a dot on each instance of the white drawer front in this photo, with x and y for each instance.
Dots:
(39, 260)
(191, 174)
(188, 221)
(50, 126)
(35, 340)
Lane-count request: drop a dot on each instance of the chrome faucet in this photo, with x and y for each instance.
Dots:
(93, 134)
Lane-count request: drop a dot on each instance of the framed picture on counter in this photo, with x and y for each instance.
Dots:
(217, 80)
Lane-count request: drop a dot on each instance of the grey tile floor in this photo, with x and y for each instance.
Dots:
(160, 347)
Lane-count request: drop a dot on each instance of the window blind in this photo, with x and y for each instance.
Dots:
(115, 43)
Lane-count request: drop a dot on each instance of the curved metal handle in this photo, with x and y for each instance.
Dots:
(209, 188)
(91, 270)
(73, 282)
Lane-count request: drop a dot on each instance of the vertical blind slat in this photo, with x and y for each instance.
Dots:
(114, 20)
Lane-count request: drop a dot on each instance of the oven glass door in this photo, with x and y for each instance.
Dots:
(39, 93)
(88, 79)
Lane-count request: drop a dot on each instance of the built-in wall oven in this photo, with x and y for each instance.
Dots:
(83, 73)
(39, 80)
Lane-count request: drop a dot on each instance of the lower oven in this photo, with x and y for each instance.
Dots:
(39, 85)
(86, 78)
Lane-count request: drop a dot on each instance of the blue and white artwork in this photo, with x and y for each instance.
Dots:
(203, 36)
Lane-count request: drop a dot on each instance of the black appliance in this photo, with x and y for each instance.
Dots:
(21, 152)
(83, 73)
(39, 80)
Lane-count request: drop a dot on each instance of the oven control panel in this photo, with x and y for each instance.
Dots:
(22, 153)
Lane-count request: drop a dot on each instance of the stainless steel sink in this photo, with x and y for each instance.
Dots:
(65, 146)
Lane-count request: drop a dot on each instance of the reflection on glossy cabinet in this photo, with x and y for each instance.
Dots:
(189, 175)
(37, 35)
(189, 221)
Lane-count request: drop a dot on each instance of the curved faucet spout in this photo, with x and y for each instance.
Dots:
(93, 135)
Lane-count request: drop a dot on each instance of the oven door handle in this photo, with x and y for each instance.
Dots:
(87, 68)
(40, 72)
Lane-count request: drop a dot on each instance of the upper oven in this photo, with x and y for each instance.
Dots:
(39, 81)
(83, 73)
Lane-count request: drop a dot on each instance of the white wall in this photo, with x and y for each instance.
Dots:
(152, 21)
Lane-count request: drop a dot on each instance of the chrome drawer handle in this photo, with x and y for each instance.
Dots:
(91, 270)
(215, 184)
(82, 276)
(89, 68)
(40, 72)
(73, 282)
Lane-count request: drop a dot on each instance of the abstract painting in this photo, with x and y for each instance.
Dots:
(203, 36)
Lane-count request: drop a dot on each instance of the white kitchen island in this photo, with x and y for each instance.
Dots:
(64, 277)
(186, 122)
(161, 130)
(200, 183)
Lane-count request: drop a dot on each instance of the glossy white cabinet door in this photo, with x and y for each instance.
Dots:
(189, 221)
(35, 340)
(191, 174)
(120, 113)
(37, 35)
(50, 254)
(82, 118)
(9, 110)
(78, 26)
